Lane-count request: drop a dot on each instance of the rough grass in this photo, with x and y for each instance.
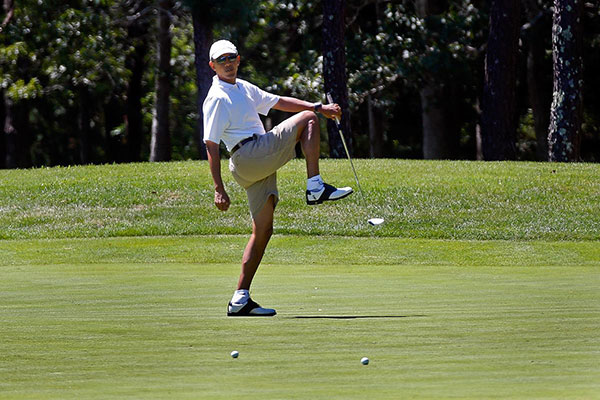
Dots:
(418, 199)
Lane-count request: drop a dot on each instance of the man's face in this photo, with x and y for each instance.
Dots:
(226, 67)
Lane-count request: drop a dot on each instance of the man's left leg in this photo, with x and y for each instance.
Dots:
(262, 229)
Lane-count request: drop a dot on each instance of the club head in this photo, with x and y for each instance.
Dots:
(376, 221)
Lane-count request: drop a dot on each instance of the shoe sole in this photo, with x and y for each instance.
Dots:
(315, 202)
(246, 310)
(250, 315)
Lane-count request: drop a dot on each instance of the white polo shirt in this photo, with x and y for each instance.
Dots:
(231, 111)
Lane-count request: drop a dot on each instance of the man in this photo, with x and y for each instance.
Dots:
(231, 113)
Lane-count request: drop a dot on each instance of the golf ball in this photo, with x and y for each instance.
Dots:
(235, 354)
(364, 361)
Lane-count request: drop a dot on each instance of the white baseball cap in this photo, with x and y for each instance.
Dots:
(221, 47)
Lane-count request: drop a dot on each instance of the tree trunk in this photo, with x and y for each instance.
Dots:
(135, 61)
(567, 104)
(499, 121)
(17, 135)
(2, 138)
(478, 143)
(160, 144)
(375, 133)
(440, 138)
(334, 72)
(83, 125)
(10, 135)
(538, 71)
(113, 117)
(438, 132)
(9, 8)
(434, 125)
(430, 7)
(202, 40)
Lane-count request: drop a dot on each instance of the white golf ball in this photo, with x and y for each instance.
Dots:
(235, 354)
(364, 361)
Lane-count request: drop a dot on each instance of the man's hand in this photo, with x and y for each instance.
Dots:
(214, 160)
(331, 111)
(222, 199)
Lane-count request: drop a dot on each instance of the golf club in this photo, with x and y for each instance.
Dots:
(372, 221)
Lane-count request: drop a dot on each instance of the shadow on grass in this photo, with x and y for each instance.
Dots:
(354, 316)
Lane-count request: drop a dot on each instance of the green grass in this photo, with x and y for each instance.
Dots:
(482, 283)
(301, 250)
(158, 331)
(418, 199)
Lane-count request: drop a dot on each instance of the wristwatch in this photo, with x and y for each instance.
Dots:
(317, 107)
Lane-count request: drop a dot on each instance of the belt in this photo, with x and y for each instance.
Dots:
(240, 144)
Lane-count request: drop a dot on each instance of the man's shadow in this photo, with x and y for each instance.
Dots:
(354, 316)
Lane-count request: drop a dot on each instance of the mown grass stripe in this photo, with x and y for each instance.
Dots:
(294, 250)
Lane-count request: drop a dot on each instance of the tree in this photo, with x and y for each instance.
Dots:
(402, 53)
(78, 78)
(440, 136)
(499, 119)
(160, 144)
(567, 104)
(9, 9)
(17, 106)
(499, 122)
(2, 140)
(203, 38)
(539, 72)
(60, 63)
(334, 71)
(590, 132)
(135, 62)
(18, 134)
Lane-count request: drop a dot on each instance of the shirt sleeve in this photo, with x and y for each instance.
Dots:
(263, 100)
(216, 119)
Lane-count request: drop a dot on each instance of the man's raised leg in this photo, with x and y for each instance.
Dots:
(309, 136)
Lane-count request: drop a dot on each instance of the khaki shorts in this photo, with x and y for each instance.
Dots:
(254, 166)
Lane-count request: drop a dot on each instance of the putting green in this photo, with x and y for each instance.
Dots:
(126, 330)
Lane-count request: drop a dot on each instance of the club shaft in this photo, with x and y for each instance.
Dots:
(339, 128)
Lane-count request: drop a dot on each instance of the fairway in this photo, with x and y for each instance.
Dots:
(133, 329)
(482, 283)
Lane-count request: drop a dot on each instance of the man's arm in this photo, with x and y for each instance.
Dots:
(214, 161)
(291, 104)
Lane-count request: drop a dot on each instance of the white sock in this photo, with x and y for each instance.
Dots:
(314, 183)
(240, 297)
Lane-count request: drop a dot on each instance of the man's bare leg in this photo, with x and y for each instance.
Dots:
(262, 229)
(309, 136)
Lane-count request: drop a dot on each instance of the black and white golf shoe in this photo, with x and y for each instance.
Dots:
(249, 309)
(327, 193)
